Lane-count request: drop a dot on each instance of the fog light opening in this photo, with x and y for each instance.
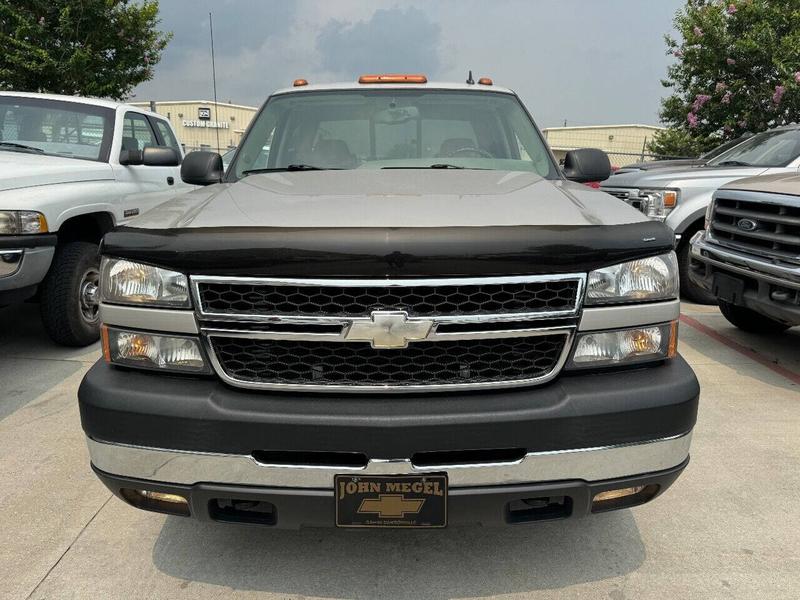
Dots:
(615, 499)
(171, 504)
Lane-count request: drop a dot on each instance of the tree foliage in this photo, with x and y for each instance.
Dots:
(737, 70)
(79, 47)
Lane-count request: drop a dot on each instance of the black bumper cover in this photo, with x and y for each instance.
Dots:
(205, 415)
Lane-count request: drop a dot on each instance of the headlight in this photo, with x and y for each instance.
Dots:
(127, 282)
(657, 204)
(625, 346)
(20, 222)
(151, 351)
(644, 279)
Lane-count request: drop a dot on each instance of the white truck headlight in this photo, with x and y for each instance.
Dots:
(153, 351)
(127, 282)
(641, 280)
(625, 346)
(21, 222)
(657, 204)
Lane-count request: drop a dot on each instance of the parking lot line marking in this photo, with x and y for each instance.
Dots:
(741, 349)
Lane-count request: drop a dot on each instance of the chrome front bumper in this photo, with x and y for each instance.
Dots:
(23, 267)
(587, 464)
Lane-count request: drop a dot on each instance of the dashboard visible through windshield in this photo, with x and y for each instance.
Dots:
(393, 129)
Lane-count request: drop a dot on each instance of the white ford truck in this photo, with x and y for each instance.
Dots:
(70, 170)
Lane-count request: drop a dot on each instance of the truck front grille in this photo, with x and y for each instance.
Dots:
(392, 335)
(233, 298)
(760, 224)
(360, 365)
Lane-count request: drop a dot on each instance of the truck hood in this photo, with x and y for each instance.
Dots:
(21, 169)
(391, 198)
(375, 223)
(694, 177)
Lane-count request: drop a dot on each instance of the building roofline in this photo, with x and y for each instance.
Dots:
(209, 102)
(612, 126)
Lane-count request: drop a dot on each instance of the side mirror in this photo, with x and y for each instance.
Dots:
(202, 168)
(152, 156)
(160, 156)
(587, 164)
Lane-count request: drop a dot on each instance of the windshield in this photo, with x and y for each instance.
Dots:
(775, 148)
(56, 128)
(374, 129)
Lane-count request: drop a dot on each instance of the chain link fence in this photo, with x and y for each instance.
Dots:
(624, 144)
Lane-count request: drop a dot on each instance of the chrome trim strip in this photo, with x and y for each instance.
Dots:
(744, 264)
(588, 464)
(152, 319)
(568, 332)
(629, 315)
(327, 320)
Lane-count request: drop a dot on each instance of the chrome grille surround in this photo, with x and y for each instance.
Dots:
(335, 328)
(774, 218)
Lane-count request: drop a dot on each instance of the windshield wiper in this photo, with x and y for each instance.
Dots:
(298, 167)
(16, 146)
(733, 163)
(433, 166)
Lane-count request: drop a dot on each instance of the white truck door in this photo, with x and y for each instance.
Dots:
(143, 187)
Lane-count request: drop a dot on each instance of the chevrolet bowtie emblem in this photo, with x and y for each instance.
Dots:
(391, 505)
(389, 329)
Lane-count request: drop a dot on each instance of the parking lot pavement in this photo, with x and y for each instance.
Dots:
(729, 528)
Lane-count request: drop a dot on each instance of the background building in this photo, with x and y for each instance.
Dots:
(197, 122)
(624, 144)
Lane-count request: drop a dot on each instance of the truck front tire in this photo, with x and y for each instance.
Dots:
(689, 289)
(749, 320)
(69, 295)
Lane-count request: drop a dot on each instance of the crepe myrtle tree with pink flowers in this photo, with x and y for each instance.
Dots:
(736, 69)
(100, 48)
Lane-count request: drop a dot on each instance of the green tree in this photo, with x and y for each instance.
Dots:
(79, 47)
(737, 70)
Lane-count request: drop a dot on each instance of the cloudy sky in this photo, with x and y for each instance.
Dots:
(586, 61)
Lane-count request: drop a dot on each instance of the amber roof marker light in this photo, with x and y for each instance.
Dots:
(485, 81)
(299, 82)
(393, 78)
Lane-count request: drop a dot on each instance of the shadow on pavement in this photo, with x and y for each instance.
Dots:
(454, 563)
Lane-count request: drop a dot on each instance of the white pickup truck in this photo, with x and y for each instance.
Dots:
(70, 170)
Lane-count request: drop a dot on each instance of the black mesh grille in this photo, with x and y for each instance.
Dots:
(355, 364)
(776, 229)
(255, 299)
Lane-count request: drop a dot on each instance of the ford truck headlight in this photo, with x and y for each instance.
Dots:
(640, 280)
(153, 351)
(127, 282)
(621, 347)
(21, 222)
(657, 204)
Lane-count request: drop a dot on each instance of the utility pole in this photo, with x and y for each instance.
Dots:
(214, 78)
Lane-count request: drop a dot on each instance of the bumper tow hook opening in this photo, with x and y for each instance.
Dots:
(233, 510)
(545, 508)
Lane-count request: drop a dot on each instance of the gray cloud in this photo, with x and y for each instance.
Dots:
(392, 40)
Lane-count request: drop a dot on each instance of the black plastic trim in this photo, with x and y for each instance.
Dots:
(574, 411)
(384, 252)
(293, 508)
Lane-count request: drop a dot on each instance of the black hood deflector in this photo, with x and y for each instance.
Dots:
(389, 252)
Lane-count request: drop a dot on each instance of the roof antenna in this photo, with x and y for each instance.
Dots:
(470, 80)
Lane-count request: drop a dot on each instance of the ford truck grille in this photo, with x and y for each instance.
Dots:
(388, 335)
(429, 363)
(758, 223)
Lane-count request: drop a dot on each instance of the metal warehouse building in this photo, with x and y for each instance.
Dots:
(623, 143)
(197, 122)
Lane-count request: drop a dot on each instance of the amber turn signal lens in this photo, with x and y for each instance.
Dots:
(393, 78)
(670, 199)
(672, 349)
(106, 348)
